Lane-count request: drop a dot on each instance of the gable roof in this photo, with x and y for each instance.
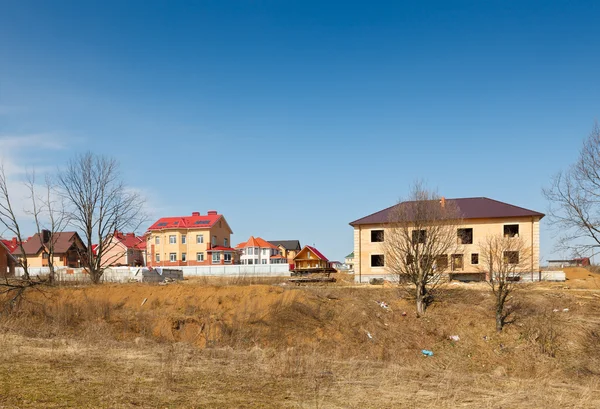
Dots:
(256, 242)
(317, 252)
(195, 221)
(469, 208)
(287, 244)
(351, 255)
(129, 240)
(62, 242)
(10, 245)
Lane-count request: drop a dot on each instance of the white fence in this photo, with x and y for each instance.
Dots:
(123, 274)
(238, 270)
(113, 274)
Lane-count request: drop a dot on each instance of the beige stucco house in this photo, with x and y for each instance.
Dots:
(124, 249)
(190, 241)
(481, 217)
(68, 249)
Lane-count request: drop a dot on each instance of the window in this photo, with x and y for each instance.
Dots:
(199, 239)
(172, 257)
(157, 240)
(474, 258)
(199, 256)
(183, 257)
(250, 261)
(457, 262)
(410, 259)
(264, 261)
(157, 257)
(45, 256)
(214, 240)
(249, 251)
(172, 239)
(183, 239)
(419, 236)
(376, 236)
(441, 262)
(264, 252)
(216, 258)
(255, 261)
(225, 243)
(511, 230)
(511, 257)
(465, 236)
(377, 260)
(227, 257)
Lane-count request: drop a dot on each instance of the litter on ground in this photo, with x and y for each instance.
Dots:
(427, 352)
(454, 338)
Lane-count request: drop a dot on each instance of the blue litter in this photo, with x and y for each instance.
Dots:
(427, 352)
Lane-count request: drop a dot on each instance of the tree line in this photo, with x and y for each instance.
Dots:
(89, 195)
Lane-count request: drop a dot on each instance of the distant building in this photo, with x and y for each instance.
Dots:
(194, 240)
(124, 249)
(259, 251)
(481, 217)
(68, 249)
(311, 260)
(288, 248)
(7, 261)
(350, 261)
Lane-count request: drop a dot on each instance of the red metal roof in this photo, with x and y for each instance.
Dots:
(11, 245)
(469, 208)
(195, 221)
(129, 240)
(317, 253)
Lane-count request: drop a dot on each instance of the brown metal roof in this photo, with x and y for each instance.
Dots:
(469, 208)
(63, 241)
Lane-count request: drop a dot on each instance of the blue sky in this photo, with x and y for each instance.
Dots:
(293, 118)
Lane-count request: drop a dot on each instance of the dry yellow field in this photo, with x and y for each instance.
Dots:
(195, 345)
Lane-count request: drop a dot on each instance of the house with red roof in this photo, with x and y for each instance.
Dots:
(7, 260)
(124, 249)
(196, 240)
(481, 218)
(259, 251)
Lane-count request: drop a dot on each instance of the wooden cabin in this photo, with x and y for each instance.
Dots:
(310, 260)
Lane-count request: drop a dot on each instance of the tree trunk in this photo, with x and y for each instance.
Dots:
(499, 317)
(420, 300)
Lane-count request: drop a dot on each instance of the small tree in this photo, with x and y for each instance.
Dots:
(502, 259)
(48, 212)
(574, 198)
(422, 232)
(99, 203)
(8, 219)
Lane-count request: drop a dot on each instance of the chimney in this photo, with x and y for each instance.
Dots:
(212, 212)
(13, 241)
(443, 201)
(45, 236)
(195, 213)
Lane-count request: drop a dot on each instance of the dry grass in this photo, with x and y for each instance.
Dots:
(192, 345)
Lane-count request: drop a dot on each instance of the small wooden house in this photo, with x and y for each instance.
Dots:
(310, 260)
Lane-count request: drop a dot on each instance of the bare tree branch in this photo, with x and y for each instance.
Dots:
(422, 233)
(574, 198)
(502, 259)
(99, 204)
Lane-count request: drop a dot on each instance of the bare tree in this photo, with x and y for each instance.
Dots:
(8, 219)
(574, 197)
(99, 203)
(48, 212)
(502, 259)
(422, 232)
